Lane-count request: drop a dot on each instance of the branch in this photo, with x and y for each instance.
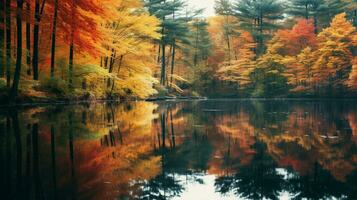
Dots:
(42, 7)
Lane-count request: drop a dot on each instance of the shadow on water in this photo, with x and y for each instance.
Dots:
(180, 150)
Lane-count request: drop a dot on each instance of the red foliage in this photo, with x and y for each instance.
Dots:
(298, 38)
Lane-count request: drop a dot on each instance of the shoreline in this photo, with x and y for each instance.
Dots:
(46, 102)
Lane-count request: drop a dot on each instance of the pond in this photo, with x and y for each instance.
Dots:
(189, 150)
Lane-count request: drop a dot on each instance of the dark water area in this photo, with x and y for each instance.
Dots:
(190, 150)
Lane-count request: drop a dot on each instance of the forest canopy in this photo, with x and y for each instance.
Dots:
(111, 49)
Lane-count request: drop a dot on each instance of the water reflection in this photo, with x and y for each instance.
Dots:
(180, 150)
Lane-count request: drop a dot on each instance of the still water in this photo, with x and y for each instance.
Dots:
(189, 150)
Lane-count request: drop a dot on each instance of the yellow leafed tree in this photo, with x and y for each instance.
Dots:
(238, 71)
(333, 57)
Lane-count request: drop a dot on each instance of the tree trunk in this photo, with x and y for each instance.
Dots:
(71, 48)
(315, 24)
(70, 66)
(163, 129)
(228, 41)
(306, 11)
(53, 47)
(53, 158)
(18, 142)
(173, 61)
(36, 30)
(159, 54)
(8, 43)
(120, 63)
(261, 34)
(172, 130)
(28, 39)
(111, 67)
(16, 81)
(163, 49)
(36, 163)
(2, 37)
(195, 58)
(163, 64)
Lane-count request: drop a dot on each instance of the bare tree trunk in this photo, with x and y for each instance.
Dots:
(173, 61)
(71, 48)
(53, 158)
(16, 81)
(53, 47)
(36, 30)
(159, 54)
(163, 64)
(8, 43)
(28, 38)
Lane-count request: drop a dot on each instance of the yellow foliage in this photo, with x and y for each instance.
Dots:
(333, 55)
(239, 70)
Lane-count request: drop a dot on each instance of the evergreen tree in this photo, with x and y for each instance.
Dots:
(165, 11)
(201, 41)
(174, 31)
(321, 11)
(225, 9)
(259, 18)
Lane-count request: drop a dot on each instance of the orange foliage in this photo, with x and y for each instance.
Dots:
(299, 37)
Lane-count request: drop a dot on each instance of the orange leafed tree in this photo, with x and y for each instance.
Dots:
(298, 38)
(239, 70)
(333, 56)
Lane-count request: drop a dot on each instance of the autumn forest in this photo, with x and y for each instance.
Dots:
(113, 49)
(178, 99)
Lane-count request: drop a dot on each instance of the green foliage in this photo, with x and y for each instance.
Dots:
(2, 84)
(258, 17)
(54, 86)
(201, 44)
(266, 83)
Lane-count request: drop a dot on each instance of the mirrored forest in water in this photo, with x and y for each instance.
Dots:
(144, 150)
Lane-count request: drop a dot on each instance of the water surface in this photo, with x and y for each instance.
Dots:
(190, 150)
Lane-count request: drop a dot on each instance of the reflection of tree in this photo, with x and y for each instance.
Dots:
(310, 136)
(162, 187)
(317, 185)
(258, 180)
(138, 150)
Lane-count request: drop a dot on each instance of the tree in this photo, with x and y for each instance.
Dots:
(73, 24)
(294, 40)
(8, 42)
(201, 41)
(15, 84)
(300, 8)
(166, 11)
(305, 61)
(225, 9)
(239, 71)
(28, 36)
(352, 80)
(258, 18)
(289, 44)
(351, 10)
(53, 45)
(334, 57)
(36, 30)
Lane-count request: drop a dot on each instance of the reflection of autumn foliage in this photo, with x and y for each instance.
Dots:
(126, 156)
(240, 134)
(352, 119)
(308, 138)
(111, 146)
(139, 148)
